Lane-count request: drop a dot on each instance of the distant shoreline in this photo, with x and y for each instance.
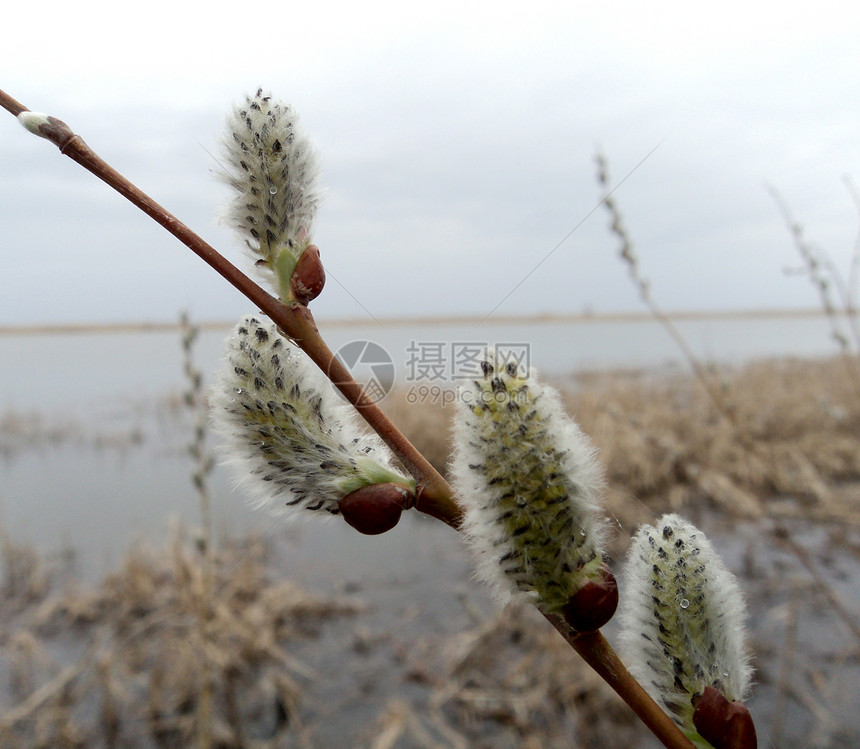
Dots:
(580, 318)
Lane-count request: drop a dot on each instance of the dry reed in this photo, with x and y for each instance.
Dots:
(137, 679)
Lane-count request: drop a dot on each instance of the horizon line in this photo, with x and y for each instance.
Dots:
(586, 317)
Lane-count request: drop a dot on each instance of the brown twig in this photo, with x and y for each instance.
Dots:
(11, 105)
(854, 268)
(435, 496)
(195, 401)
(599, 654)
(786, 669)
(784, 539)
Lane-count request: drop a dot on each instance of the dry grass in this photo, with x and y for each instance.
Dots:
(508, 683)
(512, 682)
(130, 663)
(20, 432)
(141, 644)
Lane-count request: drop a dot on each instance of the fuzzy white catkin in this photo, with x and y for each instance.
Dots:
(682, 619)
(274, 169)
(526, 476)
(288, 438)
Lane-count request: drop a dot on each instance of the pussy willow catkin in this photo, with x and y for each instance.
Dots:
(527, 479)
(290, 440)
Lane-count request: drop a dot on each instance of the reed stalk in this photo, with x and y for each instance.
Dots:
(195, 401)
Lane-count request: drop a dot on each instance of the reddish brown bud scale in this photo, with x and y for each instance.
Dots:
(376, 508)
(593, 605)
(309, 276)
(724, 724)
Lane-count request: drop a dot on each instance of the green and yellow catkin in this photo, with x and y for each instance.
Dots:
(682, 617)
(526, 476)
(273, 169)
(289, 439)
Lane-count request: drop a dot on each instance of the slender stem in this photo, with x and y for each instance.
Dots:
(599, 654)
(628, 255)
(294, 320)
(11, 105)
(818, 267)
(435, 496)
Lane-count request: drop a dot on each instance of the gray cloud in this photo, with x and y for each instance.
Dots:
(451, 174)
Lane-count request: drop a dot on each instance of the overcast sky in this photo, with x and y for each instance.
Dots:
(458, 144)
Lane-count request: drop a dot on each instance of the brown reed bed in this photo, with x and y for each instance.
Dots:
(23, 431)
(510, 682)
(120, 664)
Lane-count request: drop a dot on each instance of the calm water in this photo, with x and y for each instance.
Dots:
(95, 371)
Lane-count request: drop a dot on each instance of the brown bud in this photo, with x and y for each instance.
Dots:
(593, 604)
(309, 276)
(724, 724)
(376, 508)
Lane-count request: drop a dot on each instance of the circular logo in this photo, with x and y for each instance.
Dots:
(370, 366)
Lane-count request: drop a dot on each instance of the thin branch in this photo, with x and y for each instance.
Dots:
(816, 264)
(435, 496)
(11, 105)
(599, 654)
(783, 538)
(854, 270)
(628, 255)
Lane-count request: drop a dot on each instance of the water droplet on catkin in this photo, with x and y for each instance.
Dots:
(685, 604)
(273, 190)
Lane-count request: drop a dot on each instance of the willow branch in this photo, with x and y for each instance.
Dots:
(599, 654)
(435, 496)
